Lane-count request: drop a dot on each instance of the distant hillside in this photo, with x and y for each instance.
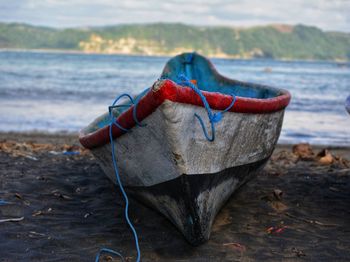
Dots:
(275, 41)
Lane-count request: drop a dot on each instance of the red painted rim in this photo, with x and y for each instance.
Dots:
(168, 90)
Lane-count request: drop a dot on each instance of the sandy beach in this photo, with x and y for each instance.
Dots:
(59, 206)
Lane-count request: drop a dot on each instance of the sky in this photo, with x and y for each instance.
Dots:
(330, 15)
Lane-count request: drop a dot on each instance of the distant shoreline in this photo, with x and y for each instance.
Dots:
(278, 41)
(79, 52)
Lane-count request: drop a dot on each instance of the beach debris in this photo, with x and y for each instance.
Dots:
(33, 234)
(28, 149)
(322, 224)
(41, 212)
(281, 162)
(17, 149)
(108, 258)
(311, 221)
(37, 213)
(55, 153)
(325, 157)
(334, 189)
(280, 230)
(19, 196)
(304, 151)
(278, 194)
(237, 246)
(278, 206)
(274, 199)
(70, 153)
(276, 229)
(14, 219)
(285, 157)
(65, 197)
(56, 193)
(343, 162)
(71, 150)
(30, 157)
(88, 214)
(270, 229)
(66, 153)
(298, 252)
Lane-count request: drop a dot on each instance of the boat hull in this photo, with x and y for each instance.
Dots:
(191, 202)
(170, 166)
(172, 144)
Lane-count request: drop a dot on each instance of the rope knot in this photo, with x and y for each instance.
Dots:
(215, 118)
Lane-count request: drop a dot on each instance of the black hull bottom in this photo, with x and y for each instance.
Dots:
(191, 202)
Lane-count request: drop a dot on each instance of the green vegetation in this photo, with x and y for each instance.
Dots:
(274, 41)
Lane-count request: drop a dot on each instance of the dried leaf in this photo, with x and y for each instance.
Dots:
(298, 252)
(334, 189)
(33, 234)
(236, 246)
(278, 206)
(278, 194)
(18, 196)
(28, 149)
(37, 213)
(325, 157)
(303, 151)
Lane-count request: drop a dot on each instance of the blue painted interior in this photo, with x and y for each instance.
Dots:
(197, 67)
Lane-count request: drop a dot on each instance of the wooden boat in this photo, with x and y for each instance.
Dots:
(169, 164)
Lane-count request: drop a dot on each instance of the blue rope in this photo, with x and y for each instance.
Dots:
(110, 110)
(213, 117)
(126, 210)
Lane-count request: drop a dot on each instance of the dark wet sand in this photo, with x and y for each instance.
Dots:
(70, 210)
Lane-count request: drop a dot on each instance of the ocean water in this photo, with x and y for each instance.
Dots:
(54, 92)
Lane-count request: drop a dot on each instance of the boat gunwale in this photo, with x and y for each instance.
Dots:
(166, 89)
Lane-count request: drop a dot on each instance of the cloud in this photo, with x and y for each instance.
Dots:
(328, 15)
